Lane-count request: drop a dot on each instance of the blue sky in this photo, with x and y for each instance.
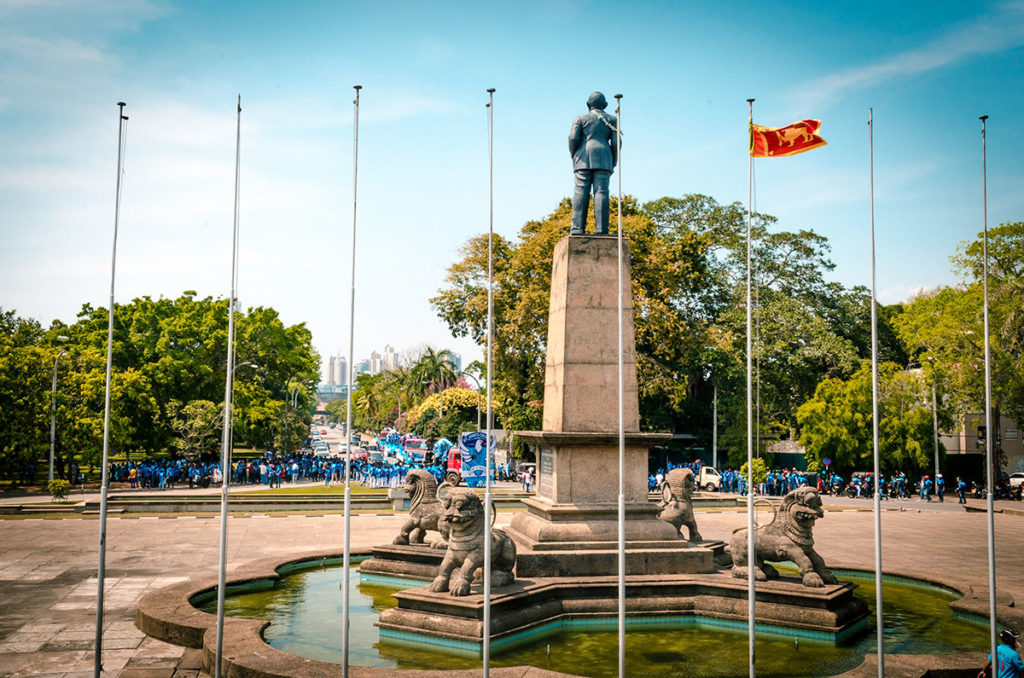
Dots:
(685, 70)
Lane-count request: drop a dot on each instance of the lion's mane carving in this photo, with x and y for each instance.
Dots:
(788, 537)
(464, 518)
(676, 505)
(424, 509)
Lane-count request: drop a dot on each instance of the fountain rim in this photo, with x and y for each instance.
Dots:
(169, 614)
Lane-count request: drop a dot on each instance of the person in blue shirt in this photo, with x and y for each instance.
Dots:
(1009, 664)
(940, 487)
(961, 488)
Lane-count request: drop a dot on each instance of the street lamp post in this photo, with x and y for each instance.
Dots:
(53, 412)
(293, 394)
(477, 382)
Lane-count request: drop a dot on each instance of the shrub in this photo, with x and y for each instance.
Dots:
(58, 489)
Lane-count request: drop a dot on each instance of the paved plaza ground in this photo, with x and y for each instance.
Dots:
(48, 569)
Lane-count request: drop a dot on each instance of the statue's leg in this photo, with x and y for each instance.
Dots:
(601, 178)
(691, 527)
(580, 201)
(464, 577)
(403, 537)
(738, 547)
(807, 573)
(819, 566)
(440, 583)
(416, 535)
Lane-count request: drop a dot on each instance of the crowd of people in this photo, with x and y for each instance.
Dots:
(273, 471)
(779, 482)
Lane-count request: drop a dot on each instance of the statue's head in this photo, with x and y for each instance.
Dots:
(597, 100)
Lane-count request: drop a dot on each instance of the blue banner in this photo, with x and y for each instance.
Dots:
(473, 447)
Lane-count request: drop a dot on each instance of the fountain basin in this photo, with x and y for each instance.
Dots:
(654, 643)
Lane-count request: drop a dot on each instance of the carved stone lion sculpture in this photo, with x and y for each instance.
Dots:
(787, 537)
(424, 509)
(468, 526)
(676, 505)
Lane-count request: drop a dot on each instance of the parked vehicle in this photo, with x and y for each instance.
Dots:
(521, 468)
(708, 479)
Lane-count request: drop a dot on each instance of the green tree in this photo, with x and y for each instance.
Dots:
(25, 371)
(688, 258)
(837, 421)
(760, 470)
(164, 351)
(197, 425)
(434, 371)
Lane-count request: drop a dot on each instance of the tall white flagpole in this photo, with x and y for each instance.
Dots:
(227, 430)
(347, 553)
(490, 417)
(989, 470)
(879, 609)
(751, 624)
(714, 427)
(105, 477)
(622, 416)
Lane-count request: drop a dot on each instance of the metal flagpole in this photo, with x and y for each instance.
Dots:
(989, 471)
(53, 413)
(714, 429)
(879, 610)
(490, 417)
(105, 478)
(622, 430)
(935, 418)
(346, 558)
(227, 431)
(751, 625)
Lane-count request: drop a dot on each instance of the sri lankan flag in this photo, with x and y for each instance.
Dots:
(774, 142)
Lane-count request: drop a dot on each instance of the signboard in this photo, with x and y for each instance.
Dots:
(545, 470)
(473, 446)
(827, 462)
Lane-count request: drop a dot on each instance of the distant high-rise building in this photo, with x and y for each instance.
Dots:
(390, 358)
(376, 363)
(336, 370)
(456, 361)
(330, 371)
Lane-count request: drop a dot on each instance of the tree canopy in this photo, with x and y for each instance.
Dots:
(688, 258)
(169, 358)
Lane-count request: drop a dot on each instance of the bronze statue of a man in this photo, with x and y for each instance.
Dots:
(594, 151)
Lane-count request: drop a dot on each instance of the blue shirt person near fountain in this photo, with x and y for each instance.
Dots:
(1009, 664)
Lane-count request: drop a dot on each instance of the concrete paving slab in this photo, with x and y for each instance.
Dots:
(51, 614)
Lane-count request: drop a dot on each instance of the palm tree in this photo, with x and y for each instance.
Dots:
(435, 369)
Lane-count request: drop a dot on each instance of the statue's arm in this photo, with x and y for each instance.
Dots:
(575, 136)
(615, 149)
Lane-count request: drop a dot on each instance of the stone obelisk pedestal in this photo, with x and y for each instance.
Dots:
(571, 526)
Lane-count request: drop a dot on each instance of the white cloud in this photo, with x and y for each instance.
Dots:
(994, 32)
(58, 49)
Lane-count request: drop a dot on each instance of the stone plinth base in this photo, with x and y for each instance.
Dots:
(557, 540)
(583, 467)
(410, 562)
(529, 608)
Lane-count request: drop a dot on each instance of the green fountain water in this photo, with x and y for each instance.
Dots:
(304, 609)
